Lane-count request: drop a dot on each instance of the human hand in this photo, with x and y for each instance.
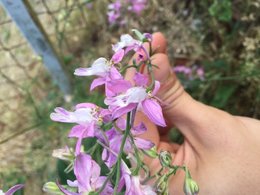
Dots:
(221, 151)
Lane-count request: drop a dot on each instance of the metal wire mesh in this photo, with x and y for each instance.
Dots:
(24, 82)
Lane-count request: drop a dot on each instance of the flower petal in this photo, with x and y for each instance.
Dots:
(114, 74)
(108, 189)
(117, 86)
(65, 191)
(139, 129)
(77, 131)
(61, 115)
(13, 189)
(82, 171)
(143, 144)
(156, 87)
(97, 82)
(123, 110)
(86, 105)
(72, 183)
(153, 111)
(100, 67)
(140, 79)
(118, 56)
(81, 72)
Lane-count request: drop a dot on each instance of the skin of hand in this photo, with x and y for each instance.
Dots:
(221, 151)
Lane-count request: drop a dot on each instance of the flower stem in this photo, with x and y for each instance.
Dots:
(139, 162)
(118, 164)
(126, 67)
(151, 73)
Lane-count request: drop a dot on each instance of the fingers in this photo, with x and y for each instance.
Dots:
(152, 134)
(205, 127)
(159, 43)
(201, 125)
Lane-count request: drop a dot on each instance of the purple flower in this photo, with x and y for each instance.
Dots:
(133, 184)
(118, 10)
(128, 43)
(88, 117)
(136, 96)
(100, 67)
(137, 6)
(114, 12)
(105, 71)
(88, 178)
(115, 136)
(200, 73)
(190, 72)
(182, 69)
(12, 190)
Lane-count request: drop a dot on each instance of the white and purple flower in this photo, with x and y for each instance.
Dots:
(88, 178)
(127, 43)
(115, 136)
(133, 184)
(88, 117)
(104, 70)
(137, 96)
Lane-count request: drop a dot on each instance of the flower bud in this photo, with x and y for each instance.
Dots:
(165, 158)
(152, 152)
(190, 187)
(162, 185)
(148, 37)
(52, 188)
(63, 154)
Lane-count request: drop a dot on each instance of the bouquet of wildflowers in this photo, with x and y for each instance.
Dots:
(115, 130)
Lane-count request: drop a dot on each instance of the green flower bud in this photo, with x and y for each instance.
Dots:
(52, 188)
(139, 35)
(190, 187)
(152, 152)
(165, 158)
(162, 185)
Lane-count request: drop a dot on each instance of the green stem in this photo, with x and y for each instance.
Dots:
(126, 67)
(139, 162)
(92, 149)
(151, 73)
(118, 164)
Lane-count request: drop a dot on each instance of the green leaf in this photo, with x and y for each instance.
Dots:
(222, 10)
(222, 96)
(138, 34)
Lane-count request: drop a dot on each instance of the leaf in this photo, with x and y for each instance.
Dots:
(222, 96)
(138, 34)
(222, 10)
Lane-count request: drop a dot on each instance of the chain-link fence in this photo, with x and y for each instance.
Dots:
(26, 87)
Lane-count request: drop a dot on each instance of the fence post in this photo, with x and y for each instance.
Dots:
(28, 23)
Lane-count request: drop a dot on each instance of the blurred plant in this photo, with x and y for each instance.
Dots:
(221, 9)
(119, 10)
(189, 74)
